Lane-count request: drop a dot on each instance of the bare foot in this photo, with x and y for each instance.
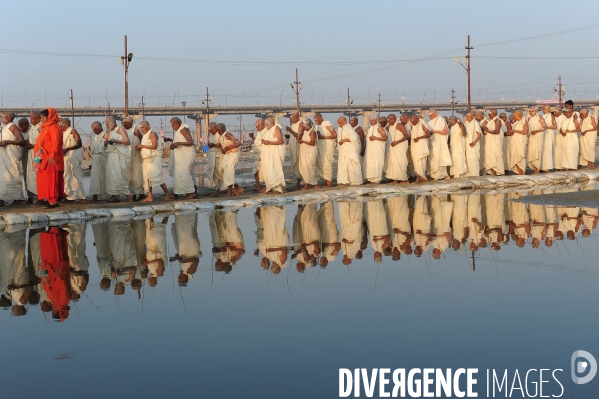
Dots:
(262, 191)
(167, 197)
(148, 199)
(81, 201)
(305, 187)
(447, 178)
(239, 191)
(190, 196)
(327, 184)
(215, 194)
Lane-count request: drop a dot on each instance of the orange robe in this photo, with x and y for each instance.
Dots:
(50, 182)
(56, 274)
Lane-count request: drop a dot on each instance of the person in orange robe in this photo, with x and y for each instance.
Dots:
(50, 181)
(55, 271)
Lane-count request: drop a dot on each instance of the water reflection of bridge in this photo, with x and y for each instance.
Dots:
(51, 266)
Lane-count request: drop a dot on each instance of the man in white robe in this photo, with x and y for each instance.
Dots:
(73, 156)
(493, 144)
(537, 127)
(559, 118)
(349, 170)
(405, 121)
(326, 135)
(473, 137)
(518, 143)
(308, 156)
(374, 157)
(439, 158)
(569, 129)
(295, 130)
(152, 162)
(215, 156)
(547, 161)
(11, 140)
(396, 162)
(230, 149)
(457, 144)
(419, 147)
(353, 122)
(136, 184)
(183, 156)
(256, 149)
(97, 184)
(272, 155)
(118, 162)
(506, 127)
(588, 139)
(30, 134)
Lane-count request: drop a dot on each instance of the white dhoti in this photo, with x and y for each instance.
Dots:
(97, 182)
(587, 142)
(152, 164)
(214, 157)
(351, 215)
(494, 153)
(396, 158)
(535, 143)
(517, 148)
(457, 143)
(547, 161)
(136, 180)
(181, 164)
(349, 170)
(73, 176)
(271, 163)
(30, 176)
(118, 166)
(439, 158)
(419, 149)
(473, 155)
(569, 145)
(374, 157)
(308, 159)
(276, 237)
(326, 152)
(11, 187)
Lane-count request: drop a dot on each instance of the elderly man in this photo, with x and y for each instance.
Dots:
(517, 144)
(419, 147)
(326, 149)
(480, 118)
(548, 139)
(308, 156)
(30, 134)
(374, 157)
(405, 121)
(11, 140)
(230, 149)
(183, 156)
(136, 183)
(493, 144)
(73, 156)
(256, 148)
(396, 162)
(97, 185)
(506, 126)
(118, 162)
(353, 122)
(295, 130)
(439, 158)
(457, 142)
(559, 118)
(569, 129)
(473, 137)
(272, 156)
(215, 156)
(588, 138)
(537, 127)
(349, 170)
(152, 162)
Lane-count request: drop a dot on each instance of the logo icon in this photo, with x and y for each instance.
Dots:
(580, 366)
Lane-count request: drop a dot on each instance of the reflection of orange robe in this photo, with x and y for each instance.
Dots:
(55, 262)
(50, 183)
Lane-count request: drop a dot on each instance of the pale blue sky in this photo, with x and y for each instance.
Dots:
(293, 31)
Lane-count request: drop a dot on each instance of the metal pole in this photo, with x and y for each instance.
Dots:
(559, 87)
(72, 109)
(143, 109)
(452, 101)
(348, 105)
(468, 72)
(297, 92)
(126, 64)
(379, 111)
(207, 111)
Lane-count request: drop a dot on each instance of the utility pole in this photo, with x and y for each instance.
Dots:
(72, 109)
(125, 60)
(452, 101)
(559, 88)
(207, 109)
(468, 47)
(379, 111)
(348, 105)
(297, 83)
(143, 109)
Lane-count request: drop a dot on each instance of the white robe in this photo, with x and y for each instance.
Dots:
(118, 166)
(459, 217)
(569, 145)
(228, 162)
(494, 149)
(294, 148)
(152, 163)
(276, 237)
(399, 221)
(374, 156)
(136, 179)
(376, 219)
(97, 183)
(349, 170)
(396, 158)
(308, 159)
(271, 162)
(73, 176)
(441, 210)
(329, 233)
(181, 164)
(504, 145)
(11, 187)
(187, 244)
(472, 153)
(548, 144)
(457, 144)
(326, 152)
(422, 222)
(535, 142)
(419, 150)
(214, 158)
(587, 142)
(517, 147)
(30, 177)
(256, 149)
(440, 157)
(156, 246)
(558, 142)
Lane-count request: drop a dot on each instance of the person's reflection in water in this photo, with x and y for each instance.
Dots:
(441, 209)
(187, 245)
(78, 261)
(399, 221)
(103, 253)
(227, 240)
(309, 249)
(329, 233)
(124, 257)
(155, 257)
(520, 223)
(275, 240)
(16, 278)
(55, 271)
(459, 221)
(538, 222)
(138, 227)
(350, 218)
(475, 226)
(376, 219)
(422, 225)
(494, 206)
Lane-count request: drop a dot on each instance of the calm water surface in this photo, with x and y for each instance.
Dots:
(271, 302)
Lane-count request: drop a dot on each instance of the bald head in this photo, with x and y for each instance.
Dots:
(259, 124)
(269, 122)
(584, 113)
(23, 124)
(342, 121)
(492, 112)
(97, 127)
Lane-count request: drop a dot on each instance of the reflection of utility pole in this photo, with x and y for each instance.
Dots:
(473, 262)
